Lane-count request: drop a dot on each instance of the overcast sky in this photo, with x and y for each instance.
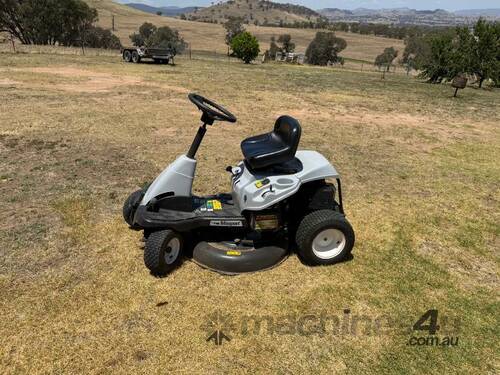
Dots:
(351, 4)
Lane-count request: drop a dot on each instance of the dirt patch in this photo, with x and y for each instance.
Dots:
(8, 82)
(96, 82)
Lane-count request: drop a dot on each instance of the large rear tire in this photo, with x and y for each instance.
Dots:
(163, 252)
(324, 237)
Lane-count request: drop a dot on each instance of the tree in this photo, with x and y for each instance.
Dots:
(163, 37)
(245, 46)
(416, 52)
(273, 48)
(477, 53)
(386, 58)
(97, 37)
(159, 13)
(439, 64)
(324, 48)
(145, 31)
(51, 22)
(286, 43)
(234, 26)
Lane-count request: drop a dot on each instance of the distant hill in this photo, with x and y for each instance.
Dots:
(258, 12)
(407, 16)
(479, 12)
(165, 11)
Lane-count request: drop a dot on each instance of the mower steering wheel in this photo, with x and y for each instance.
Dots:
(211, 110)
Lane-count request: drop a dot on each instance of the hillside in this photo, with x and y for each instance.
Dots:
(407, 16)
(165, 11)
(258, 12)
(210, 37)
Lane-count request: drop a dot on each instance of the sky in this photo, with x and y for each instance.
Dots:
(351, 4)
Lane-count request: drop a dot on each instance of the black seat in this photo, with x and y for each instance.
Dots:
(274, 148)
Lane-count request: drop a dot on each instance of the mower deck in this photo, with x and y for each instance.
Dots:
(187, 213)
(230, 258)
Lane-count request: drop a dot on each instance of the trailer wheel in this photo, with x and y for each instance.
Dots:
(127, 56)
(135, 57)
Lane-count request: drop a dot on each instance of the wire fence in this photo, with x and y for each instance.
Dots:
(216, 56)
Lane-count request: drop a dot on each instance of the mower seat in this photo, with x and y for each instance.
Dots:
(274, 148)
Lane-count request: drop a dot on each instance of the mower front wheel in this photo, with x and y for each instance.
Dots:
(324, 237)
(130, 206)
(163, 252)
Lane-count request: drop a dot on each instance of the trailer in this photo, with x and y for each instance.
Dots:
(158, 55)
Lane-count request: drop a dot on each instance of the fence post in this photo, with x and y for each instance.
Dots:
(362, 66)
(190, 57)
(113, 22)
(13, 43)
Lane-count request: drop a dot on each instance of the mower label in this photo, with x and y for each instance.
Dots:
(226, 223)
(262, 183)
(212, 205)
(233, 253)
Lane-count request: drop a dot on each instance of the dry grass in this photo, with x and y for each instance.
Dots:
(420, 176)
(210, 37)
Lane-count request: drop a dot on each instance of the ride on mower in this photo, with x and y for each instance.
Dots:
(282, 199)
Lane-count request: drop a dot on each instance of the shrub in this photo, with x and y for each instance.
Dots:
(324, 48)
(163, 37)
(97, 37)
(245, 46)
(386, 58)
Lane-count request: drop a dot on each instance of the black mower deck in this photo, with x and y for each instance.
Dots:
(187, 213)
(233, 259)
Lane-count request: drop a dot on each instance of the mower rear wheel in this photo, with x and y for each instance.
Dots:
(163, 252)
(324, 237)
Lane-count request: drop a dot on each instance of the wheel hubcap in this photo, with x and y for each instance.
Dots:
(172, 250)
(328, 243)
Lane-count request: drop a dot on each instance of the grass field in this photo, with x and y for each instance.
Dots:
(421, 178)
(210, 37)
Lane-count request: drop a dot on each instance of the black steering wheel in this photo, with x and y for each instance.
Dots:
(211, 110)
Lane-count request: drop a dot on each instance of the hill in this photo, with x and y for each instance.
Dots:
(258, 12)
(407, 16)
(165, 11)
(210, 37)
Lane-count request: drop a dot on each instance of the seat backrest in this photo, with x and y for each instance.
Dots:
(288, 130)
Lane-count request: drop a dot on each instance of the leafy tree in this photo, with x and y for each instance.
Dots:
(97, 37)
(477, 53)
(52, 22)
(439, 64)
(273, 48)
(234, 26)
(325, 48)
(386, 58)
(165, 37)
(245, 46)
(162, 37)
(417, 51)
(286, 43)
(145, 31)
